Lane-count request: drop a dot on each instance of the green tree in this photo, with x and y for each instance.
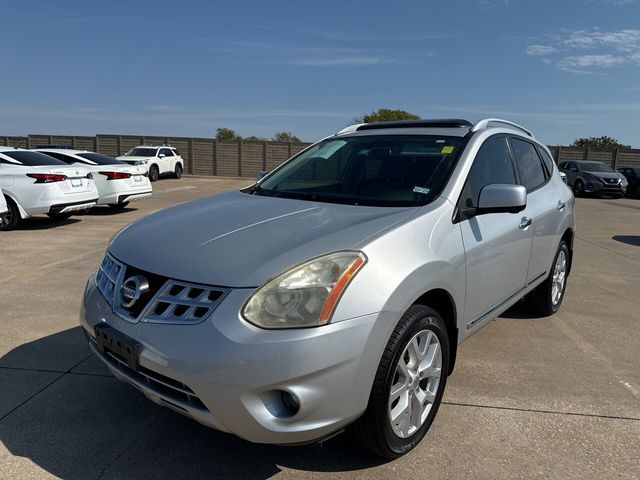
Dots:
(227, 134)
(604, 143)
(386, 115)
(255, 139)
(285, 137)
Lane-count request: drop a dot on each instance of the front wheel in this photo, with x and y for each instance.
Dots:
(408, 386)
(12, 219)
(547, 297)
(177, 173)
(578, 188)
(154, 173)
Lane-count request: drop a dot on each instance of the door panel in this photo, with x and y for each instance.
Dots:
(497, 258)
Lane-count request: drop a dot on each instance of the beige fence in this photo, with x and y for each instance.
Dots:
(208, 156)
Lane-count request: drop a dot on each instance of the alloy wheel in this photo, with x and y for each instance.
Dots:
(415, 383)
(559, 277)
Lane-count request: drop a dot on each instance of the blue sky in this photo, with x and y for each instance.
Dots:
(566, 69)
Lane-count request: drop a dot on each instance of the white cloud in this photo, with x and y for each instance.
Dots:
(540, 50)
(590, 51)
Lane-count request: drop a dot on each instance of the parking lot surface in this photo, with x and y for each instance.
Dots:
(555, 397)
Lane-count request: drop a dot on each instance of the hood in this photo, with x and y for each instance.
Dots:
(604, 174)
(241, 240)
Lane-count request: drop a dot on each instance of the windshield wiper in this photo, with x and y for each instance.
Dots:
(257, 189)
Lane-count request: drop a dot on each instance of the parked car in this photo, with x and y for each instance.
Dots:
(66, 146)
(4, 210)
(632, 174)
(118, 183)
(156, 159)
(334, 292)
(34, 183)
(594, 177)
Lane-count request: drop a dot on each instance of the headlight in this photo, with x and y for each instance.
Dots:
(304, 296)
(142, 162)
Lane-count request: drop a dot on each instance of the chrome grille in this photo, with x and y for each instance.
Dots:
(167, 301)
(108, 277)
(179, 302)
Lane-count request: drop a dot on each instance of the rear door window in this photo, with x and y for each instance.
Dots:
(32, 159)
(528, 164)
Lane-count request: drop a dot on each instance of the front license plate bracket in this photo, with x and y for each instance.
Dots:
(116, 343)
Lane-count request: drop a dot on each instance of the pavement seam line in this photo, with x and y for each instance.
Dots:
(549, 412)
(24, 369)
(62, 374)
(607, 248)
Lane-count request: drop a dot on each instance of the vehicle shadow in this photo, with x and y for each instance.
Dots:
(86, 424)
(45, 223)
(628, 239)
(519, 311)
(103, 210)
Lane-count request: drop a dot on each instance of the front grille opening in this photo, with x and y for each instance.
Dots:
(180, 310)
(161, 308)
(194, 293)
(176, 290)
(200, 312)
(214, 295)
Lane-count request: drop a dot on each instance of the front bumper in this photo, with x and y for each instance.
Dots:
(605, 188)
(229, 375)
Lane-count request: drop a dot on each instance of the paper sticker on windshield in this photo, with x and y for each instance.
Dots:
(447, 149)
(422, 190)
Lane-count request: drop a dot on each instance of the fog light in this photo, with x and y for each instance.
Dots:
(291, 402)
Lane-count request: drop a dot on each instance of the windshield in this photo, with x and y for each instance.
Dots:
(32, 159)
(100, 159)
(383, 170)
(595, 167)
(142, 152)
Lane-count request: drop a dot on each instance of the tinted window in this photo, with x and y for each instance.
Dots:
(548, 161)
(175, 152)
(166, 152)
(62, 157)
(141, 152)
(32, 159)
(492, 165)
(101, 159)
(378, 170)
(528, 164)
(595, 167)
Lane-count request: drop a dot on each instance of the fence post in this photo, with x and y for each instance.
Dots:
(119, 144)
(240, 158)
(214, 158)
(559, 152)
(265, 152)
(290, 150)
(191, 156)
(614, 161)
(586, 153)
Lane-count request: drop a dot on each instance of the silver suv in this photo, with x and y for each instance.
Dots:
(334, 292)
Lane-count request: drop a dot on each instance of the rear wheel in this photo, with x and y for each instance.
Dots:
(177, 173)
(578, 188)
(12, 219)
(59, 217)
(408, 385)
(118, 206)
(154, 173)
(547, 297)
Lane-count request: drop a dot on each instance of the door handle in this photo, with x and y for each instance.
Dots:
(524, 223)
(560, 205)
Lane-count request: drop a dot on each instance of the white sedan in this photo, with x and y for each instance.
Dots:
(34, 183)
(118, 183)
(4, 210)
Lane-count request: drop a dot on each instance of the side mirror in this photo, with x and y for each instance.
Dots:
(502, 198)
(162, 155)
(261, 174)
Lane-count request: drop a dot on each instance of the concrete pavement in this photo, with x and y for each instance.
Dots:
(557, 397)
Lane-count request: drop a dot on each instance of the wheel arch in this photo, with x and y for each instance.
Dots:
(441, 301)
(568, 236)
(10, 197)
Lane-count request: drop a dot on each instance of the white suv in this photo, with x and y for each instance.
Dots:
(156, 159)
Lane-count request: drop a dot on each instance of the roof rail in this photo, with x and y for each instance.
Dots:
(435, 123)
(484, 123)
(350, 128)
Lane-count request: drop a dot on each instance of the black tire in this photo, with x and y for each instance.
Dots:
(540, 301)
(59, 217)
(373, 430)
(578, 188)
(118, 206)
(12, 220)
(177, 172)
(154, 173)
